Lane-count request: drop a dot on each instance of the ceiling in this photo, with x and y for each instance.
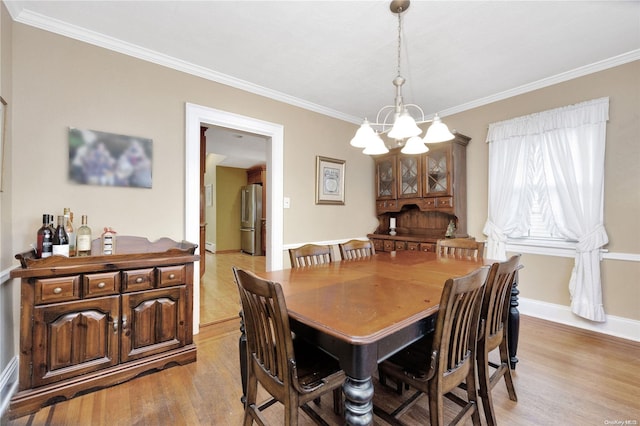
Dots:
(339, 57)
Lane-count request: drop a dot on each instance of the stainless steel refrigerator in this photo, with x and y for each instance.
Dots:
(251, 220)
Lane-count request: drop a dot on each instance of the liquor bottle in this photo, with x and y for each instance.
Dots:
(44, 246)
(68, 218)
(83, 238)
(60, 239)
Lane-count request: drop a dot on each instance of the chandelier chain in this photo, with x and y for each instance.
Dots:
(399, 37)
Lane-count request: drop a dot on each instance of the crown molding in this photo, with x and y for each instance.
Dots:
(19, 14)
(82, 34)
(615, 61)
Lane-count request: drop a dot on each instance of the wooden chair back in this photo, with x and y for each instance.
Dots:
(310, 254)
(443, 360)
(494, 318)
(356, 249)
(271, 353)
(464, 248)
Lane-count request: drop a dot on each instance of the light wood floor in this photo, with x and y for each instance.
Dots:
(219, 300)
(565, 377)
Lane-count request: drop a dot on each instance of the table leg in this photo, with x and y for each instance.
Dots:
(242, 346)
(358, 403)
(514, 324)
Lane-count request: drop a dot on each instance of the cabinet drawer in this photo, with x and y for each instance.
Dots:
(378, 244)
(429, 203)
(60, 289)
(103, 284)
(137, 279)
(401, 245)
(413, 246)
(389, 245)
(444, 202)
(428, 247)
(171, 275)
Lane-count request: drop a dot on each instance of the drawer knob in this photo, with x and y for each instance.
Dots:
(172, 276)
(102, 285)
(57, 290)
(139, 280)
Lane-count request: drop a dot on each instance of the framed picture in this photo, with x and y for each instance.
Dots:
(108, 159)
(329, 180)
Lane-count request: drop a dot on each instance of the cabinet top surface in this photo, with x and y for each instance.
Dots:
(130, 252)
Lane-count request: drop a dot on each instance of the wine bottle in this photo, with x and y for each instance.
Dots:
(68, 217)
(83, 241)
(44, 246)
(60, 239)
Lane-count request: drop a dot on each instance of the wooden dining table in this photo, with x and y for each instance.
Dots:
(363, 311)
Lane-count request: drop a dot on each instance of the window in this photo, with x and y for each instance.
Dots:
(546, 190)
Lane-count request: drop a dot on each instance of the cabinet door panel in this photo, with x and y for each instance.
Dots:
(153, 322)
(70, 339)
(438, 172)
(386, 178)
(410, 175)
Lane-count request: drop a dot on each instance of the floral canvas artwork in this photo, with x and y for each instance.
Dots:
(108, 159)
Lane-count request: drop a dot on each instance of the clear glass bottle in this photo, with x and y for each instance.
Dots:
(44, 246)
(68, 218)
(83, 238)
(60, 239)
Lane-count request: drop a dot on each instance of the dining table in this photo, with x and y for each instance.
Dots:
(363, 311)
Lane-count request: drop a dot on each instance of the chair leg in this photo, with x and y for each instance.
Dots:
(472, 395)
(508, 380)
(485, 386)
(436, 406)
(338, 402)
(250, 403)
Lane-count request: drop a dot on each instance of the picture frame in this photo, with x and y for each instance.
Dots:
(3, 131)
(330, 173)
(109, 159)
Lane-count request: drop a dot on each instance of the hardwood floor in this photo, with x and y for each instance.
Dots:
(219, 300)
(565, 376)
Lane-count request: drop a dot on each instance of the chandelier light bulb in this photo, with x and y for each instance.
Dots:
(414, 145)
(438, 132)
(363, 136)
(404, 127)
(376, 146)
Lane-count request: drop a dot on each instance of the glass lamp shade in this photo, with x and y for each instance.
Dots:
(364, 136)
(414, 145)
(438, 132)
(376, 146)
(404, 127)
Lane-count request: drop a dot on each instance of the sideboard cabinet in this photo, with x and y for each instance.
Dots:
(424, 193)
(95, 321)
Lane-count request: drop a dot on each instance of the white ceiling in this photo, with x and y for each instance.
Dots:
(339, 57)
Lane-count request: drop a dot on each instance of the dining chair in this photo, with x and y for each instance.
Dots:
(438, 363)
(310, 254)
(356, 249)
(493, 333)
(292, 371)
(466, 248)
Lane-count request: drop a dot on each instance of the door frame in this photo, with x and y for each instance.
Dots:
(195, 115)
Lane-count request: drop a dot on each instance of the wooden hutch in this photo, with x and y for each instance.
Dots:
(96, 321)
(423, 193)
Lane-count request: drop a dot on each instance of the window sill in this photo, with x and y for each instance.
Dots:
(543, 247)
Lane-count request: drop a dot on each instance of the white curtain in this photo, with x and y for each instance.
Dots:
(561, 150)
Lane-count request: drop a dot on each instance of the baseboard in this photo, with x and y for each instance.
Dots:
(8, 384)
(209, 246)
(614, 326)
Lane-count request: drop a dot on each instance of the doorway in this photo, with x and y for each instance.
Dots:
(196, 116)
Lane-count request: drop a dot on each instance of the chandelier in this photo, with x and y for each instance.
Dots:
(397, 121)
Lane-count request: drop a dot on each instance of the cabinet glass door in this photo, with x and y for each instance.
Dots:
(437, 176)
(385, 172)
(409, 171)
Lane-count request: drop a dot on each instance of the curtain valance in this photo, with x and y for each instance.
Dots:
(585, 113)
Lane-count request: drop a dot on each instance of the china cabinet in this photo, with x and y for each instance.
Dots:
(96, 321)
(424, 193)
